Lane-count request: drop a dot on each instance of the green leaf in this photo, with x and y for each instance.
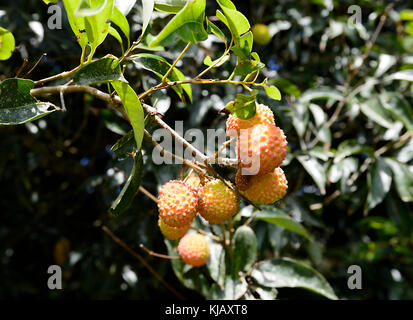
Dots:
(208, 61)
(97, 24)
(399, 107)
(406, 75)
(124, 147)
(212, 28)
(114, 33)
(403, 179)
(300, 117)
(234, 289)
(406, 14)
(147, 9)
(379, 180)
(130, 189)
(243, 107)
(315, 170)
(273, 92)
(278, 217)
(76, 23)
(216, 262)
(245, 250)
(120, 20)
(88, 8)
(160, 67)
(170, 6)
(289, 273)
(50, 1)
(17, 106)
(266, 293)
(373, 110)
(188, 25)
(102, 70)
(319, 116)
(287, 86)
(7, 44)
(133, 109)
(236, 21)
(350, 147)
(321, 93)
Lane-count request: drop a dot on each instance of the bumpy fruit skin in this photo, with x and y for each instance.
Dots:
(172, 233)
(261, 148)
(194, 249)
(261, 34)
(267, 188)
(263, 114)
(217, 202)
(177, 203)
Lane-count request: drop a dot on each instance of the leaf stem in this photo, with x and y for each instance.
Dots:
(165, 77)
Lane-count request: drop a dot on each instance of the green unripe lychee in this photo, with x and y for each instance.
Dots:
(261, 34)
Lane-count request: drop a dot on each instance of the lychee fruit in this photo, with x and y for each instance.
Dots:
(177, 203)
(263, 114)
(172, 233)
(261, 34)
(242, 181)
(217, 202)
(267, 188)
(194, 249)
(261, 148)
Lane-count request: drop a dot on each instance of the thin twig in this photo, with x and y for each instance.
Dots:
(24, 64)
(159, 255)
(165, 77)
(143, 261)
(35, 65)
(148, 194)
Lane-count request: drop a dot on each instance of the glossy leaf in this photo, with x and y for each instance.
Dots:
(403, 179)
(114, 33)
(216, 262)
(147, 9)
(289, 273)
(245, 250)
(17, 106)
(50, 1)
(102, 70)
(315, 170)
(120, 20)
(351, 147)
(406, 75)
(278, 217)
(236, 21)
(373, 110)
(321, 93)
(170, 6)
(273, 92)
(160, 67)
(187, 25)
(130, 189)
(379, 180)
(234, 289)
(133, 109)
(399, 107)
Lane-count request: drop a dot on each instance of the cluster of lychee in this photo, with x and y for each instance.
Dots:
(261, 148)
(180, 201)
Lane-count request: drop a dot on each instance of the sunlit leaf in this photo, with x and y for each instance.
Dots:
(188, 25)
(315, 170)
(7, 44)
(102, 70)
(17, 106)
